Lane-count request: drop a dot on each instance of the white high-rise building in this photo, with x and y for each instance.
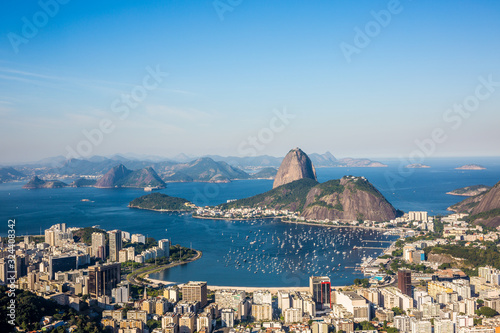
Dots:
(283, 300)
(164, 244)
(120, 294)
(444, 326)
(402, 323)
(354, 303)
(292, 315)
(138, 238)
(262, 297)
(98, 239)
(420, 326)
(417, 216)
(227, 317)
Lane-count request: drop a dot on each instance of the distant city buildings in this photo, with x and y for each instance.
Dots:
(417, 216)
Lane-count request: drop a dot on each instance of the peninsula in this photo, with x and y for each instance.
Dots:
(470, 191)
(161, 203)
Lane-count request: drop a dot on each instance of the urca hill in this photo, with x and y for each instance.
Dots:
(349, 198)
(483, 208)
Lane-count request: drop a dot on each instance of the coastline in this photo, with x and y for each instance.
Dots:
(294, 222)
(153, 269)
(233, 219)
(336, 226)
(161, 210)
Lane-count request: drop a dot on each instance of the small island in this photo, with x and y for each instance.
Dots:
(470, 191)
(83, 182)
(37, 183)
(417, 166)
(471, 167)
(161, 203)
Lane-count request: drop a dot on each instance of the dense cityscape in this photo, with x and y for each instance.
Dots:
(407, 289)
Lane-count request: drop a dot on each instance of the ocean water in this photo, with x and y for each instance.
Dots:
(229, 256)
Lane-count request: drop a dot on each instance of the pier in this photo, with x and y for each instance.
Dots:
(369, 247)
(377, 241)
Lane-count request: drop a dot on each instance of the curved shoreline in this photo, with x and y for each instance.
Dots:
(295, 222)
(153, 269)
(161, 210)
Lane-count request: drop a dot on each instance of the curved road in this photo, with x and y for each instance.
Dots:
(132, 277)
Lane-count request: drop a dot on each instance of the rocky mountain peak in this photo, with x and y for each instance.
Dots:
(296, 165)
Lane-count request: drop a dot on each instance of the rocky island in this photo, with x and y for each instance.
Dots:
(417, 166)
(471, 167)
(36, 183)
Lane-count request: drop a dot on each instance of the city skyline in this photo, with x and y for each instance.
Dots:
(375, 79)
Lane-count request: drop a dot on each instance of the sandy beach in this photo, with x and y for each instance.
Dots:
(273, 290)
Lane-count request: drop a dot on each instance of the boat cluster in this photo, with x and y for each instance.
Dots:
(309, 250)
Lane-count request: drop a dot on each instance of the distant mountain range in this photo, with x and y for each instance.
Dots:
(483, 208)
(204, 169)
(10, 174)
(211, 168)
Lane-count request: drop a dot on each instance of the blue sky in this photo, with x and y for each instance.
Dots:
(228, 78)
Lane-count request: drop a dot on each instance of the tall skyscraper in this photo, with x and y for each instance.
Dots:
(404, 281)
(164, 244)
(195, 291)
(103, 278)
(321, 290)
(115, 244)
(98, 239)
(50, 237)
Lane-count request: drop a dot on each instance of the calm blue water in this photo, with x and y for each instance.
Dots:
(229, 257)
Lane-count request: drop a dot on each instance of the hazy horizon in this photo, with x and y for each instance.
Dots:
(371, 79)
(154, 158)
